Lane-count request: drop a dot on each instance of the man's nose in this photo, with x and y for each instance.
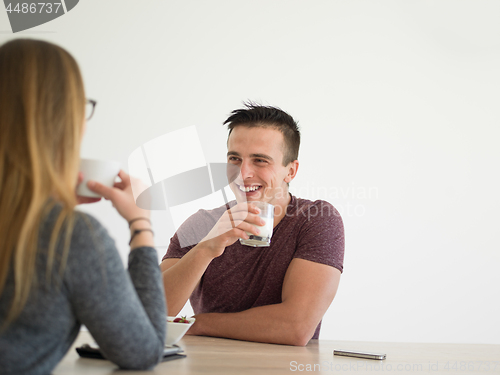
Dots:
(246, 170)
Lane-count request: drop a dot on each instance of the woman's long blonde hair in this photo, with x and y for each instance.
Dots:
(42, 109)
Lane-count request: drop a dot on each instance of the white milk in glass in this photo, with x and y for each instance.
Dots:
(263, 239)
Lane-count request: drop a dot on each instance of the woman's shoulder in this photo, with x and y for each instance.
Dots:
(85, 230)
(85, 223)
(82, 220)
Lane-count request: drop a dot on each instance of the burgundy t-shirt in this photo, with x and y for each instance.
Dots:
(244, 277)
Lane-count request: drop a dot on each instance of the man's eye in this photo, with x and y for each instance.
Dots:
(233, 158)
(260, 161)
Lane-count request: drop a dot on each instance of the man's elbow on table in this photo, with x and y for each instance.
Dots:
(299, 340)
(299, 333)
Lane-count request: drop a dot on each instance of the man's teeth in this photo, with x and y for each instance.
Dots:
(248, 188)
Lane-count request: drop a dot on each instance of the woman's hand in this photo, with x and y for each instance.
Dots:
(79, 198)
(121, 196)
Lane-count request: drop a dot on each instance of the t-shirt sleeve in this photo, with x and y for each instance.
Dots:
(124, 311)
(174, 249)
(191, 232)
(321, 236)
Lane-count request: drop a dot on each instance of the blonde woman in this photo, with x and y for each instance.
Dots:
(59, 268)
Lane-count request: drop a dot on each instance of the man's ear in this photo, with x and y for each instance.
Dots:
(293, 167)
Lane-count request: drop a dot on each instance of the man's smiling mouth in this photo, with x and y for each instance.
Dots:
(248, 189)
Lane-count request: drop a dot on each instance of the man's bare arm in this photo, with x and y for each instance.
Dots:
(308, 290)
(180, 276)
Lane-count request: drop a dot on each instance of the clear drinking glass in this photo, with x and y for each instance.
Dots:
(266, 231)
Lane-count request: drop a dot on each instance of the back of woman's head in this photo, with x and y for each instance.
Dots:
(42, 106)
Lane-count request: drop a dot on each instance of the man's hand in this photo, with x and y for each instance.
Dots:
(233, 224)
(180, 276)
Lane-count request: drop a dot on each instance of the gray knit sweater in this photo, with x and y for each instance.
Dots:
(124, 311)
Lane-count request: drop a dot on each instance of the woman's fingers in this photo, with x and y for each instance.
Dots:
(81, 199)
(79, 179)
(124, 177)
(100, 189)
(119, 185)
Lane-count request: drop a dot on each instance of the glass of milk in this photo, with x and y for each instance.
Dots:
(266, 231)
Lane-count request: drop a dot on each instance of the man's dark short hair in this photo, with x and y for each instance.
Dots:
(255, 115)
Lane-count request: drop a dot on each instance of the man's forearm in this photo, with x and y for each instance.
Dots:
(180, 279)
(308, 290)
(276, 324)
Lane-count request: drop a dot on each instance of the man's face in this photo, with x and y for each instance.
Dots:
(258, 153)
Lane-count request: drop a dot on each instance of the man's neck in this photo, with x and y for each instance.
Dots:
(280, 208)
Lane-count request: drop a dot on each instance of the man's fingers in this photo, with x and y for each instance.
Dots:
(239, 217)
(242, 210)
(236, 229)
(253, 209)
(235, 218)
(245, 206)
(237, 214)
(241, 234)
(246, 227)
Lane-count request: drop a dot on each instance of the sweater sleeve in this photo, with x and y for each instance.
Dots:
(124, 311)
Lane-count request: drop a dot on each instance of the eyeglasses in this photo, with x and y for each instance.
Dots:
(89, 108)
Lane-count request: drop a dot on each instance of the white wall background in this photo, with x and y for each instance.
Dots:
(398, 103)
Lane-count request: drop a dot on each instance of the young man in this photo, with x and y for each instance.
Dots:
(275, 294)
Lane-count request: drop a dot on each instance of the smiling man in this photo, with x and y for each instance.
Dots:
(276, 294)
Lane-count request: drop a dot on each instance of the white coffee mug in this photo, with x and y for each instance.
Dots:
(102, 171)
